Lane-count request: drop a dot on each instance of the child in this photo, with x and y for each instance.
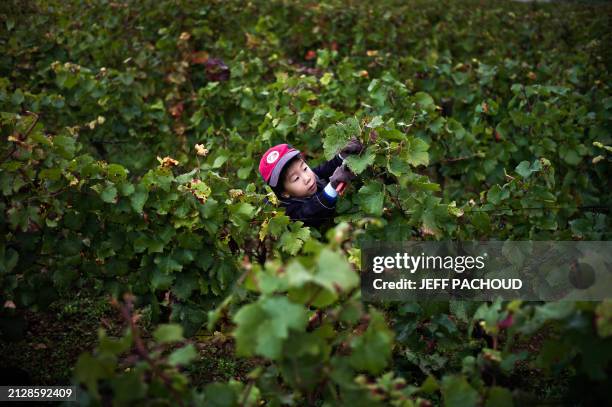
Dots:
(306, 194)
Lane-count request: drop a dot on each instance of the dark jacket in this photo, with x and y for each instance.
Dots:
(319, 208)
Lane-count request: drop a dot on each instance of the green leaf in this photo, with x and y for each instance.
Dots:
(497, 194)
(457, 392)
(455, 128)
(167, 264)
(570, 155)
(109, 345)
(158, 105)
(22, 217)
(220, 395)
(292, 240)
(436, 126)
(372, 350)
(243, 172)
(240, 213)
(186, 177)
(391, 134)
(8, 259)
(326, 78)
(482, 221)
(248, 320)
(398, 166)
(524, 169)
(415, 152)
(168, 333)
(139, 198)
(371, 198)
(128, 387)
(109, 193)
(17, 97)
(377, 121)
(126, 189)
(263, 327)
(161, 177)
(337, 135)
(52, 174)
(333, 141)
(220, 160)
(499, 397)
(459, 309)
(65, 146)
(160, 280)
(185, 284)
(429, 222)
(358, 163)
(117, 172)
(278, 224)
(126, 78)
(286, 124)
(334, 272)
(429, 385)
(89, 370)
(183, 356)
(143, 243)
(424, 100)
(491, 315)
(290, 244)
(504, 129)
(546, 312)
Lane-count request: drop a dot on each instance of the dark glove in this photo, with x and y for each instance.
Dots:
(341, 174)
(354, 146)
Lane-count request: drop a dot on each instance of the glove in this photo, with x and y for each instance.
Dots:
(354, 146)
(341, 174)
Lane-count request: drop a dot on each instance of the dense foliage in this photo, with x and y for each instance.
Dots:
(131, 134)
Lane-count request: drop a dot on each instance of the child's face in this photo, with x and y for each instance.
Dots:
(300, 181)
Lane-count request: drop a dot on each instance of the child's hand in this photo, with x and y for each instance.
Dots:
(341, 174)
(354, 146)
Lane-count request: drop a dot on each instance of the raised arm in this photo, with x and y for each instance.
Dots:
(326, 169)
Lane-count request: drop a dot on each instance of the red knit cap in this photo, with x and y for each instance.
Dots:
(273, 161)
